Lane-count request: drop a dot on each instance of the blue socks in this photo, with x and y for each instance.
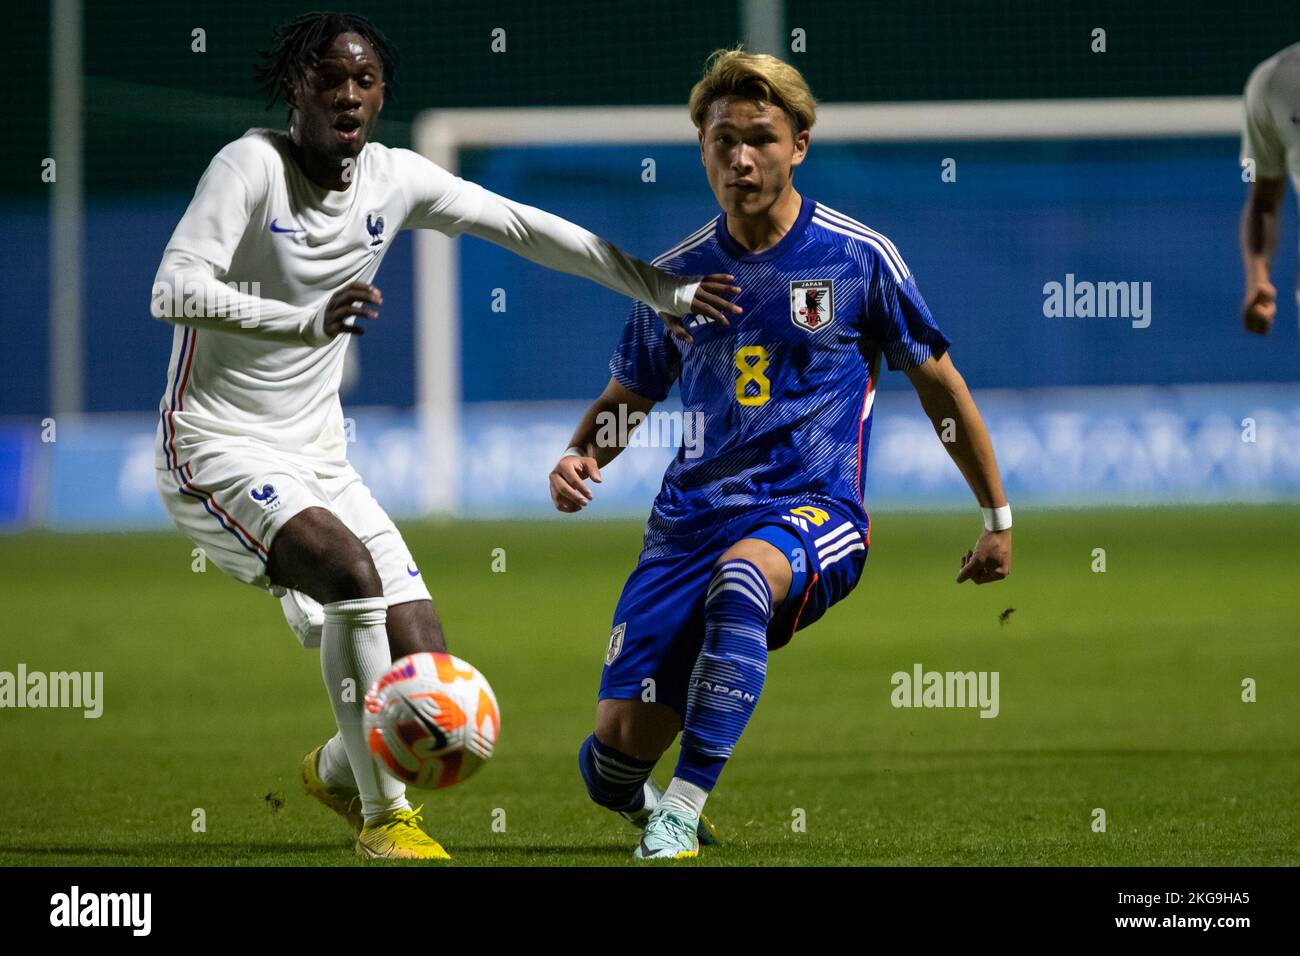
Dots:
(613, 779)
(728, 674)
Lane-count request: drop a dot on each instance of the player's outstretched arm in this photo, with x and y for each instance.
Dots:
(948, 403)
(559, 244)
(452, 205)
(1260, 225)
(586, 453)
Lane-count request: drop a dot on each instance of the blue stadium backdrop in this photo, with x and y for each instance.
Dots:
(1083, 410)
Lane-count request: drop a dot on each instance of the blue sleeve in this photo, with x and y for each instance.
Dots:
(646, 360)
(899, 321)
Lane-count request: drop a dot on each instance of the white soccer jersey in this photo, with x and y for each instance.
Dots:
(1271, 136)
(260, 251)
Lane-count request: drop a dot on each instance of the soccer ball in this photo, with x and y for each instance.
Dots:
(431, 721)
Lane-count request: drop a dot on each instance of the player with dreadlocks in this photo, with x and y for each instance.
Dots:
(266, 278)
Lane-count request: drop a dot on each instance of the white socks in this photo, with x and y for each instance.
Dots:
(333, 766)
(353, 655)
(684, 796)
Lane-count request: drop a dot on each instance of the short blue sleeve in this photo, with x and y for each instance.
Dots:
(899, 321)
(646, 361)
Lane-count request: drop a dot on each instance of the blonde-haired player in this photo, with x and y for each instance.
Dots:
(764, 532)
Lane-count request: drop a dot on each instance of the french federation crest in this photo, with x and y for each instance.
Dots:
(375, 226)
(266, 496)
(812, 304)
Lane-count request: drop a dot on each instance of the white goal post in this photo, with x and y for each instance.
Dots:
(440, 135)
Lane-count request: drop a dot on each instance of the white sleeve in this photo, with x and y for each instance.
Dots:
(453, 206)
(186, 290)
(1259, 138)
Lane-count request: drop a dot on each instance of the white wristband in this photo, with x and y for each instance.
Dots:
(997, 519)
(574, 450)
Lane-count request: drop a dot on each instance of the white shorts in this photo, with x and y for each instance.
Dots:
(232, 499)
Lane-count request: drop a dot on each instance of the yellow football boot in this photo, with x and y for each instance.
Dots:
(396, 835)
(345, 802)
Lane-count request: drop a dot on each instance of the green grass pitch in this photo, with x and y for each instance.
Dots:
(1119, 690)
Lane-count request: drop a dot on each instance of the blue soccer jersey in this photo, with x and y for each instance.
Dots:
(784, 393)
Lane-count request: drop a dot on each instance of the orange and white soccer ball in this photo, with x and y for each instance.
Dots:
(432, 720)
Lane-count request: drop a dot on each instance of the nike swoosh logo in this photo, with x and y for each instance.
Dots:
(294, 229)
(415, 573)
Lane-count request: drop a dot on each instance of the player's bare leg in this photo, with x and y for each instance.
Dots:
(413, 627)
(317, 554)
(347, 571)
(769, 559)
(641, 729)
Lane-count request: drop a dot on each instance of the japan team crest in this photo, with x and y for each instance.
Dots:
(615, 643)
(812, 304)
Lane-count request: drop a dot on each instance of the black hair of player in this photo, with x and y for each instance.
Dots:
(297, 46)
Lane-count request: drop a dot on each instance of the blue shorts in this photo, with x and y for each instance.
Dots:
(658, 625)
